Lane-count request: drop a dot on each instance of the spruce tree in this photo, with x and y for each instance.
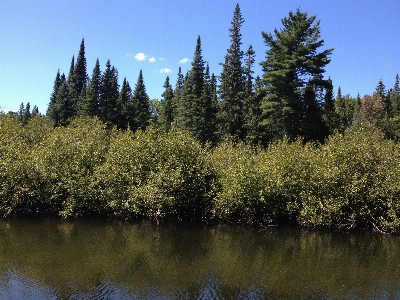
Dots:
(232, 84)
(56, 86)
(394, 96)
(35, 111)
(207, 127)
(251, 108)
(71, 77)
(63, 108)
(177, 95)
(27, 113)
(109, 93)
(381, 91)
(167, 117)
(140, 105)
(293, 77)
(340, 110)
(21, 113)
(124, 100)
(194, 106)
(90, 104)
(80, 79)
(329, 107)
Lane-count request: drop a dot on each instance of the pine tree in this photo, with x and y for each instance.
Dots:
(293, 78)
(177, 95)
(21, 113)
(27, 113)
(191, 111)
(64, 108)
(232, 86)
(251, 108)
(141, 105)
(123, 103)
(79, 86)
(394, 96)
(357, 108)
(340, 110)
(90, 104)
(71, 77)
(109, 93)
(167, 117)
(35, 111)
(381, 91)
(195, 111)
(56, 86)
(207, 124)
(329, 107)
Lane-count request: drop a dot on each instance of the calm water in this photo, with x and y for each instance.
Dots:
(51, 259)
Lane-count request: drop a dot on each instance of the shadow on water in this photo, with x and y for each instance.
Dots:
(52, 259)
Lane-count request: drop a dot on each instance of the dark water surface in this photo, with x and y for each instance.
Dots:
(52, 259)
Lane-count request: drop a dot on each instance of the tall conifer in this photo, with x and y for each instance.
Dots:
(293, 76)
(109, 95)
(124, 100)
(90, 104)
(232, 86)
(167, 117)
(141, 105)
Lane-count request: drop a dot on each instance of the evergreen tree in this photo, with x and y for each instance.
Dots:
(109, 93)
(381, 91)
(35, 111)
(394, 96)
(253, 113)
(206, 128)
(71, 77)
(21, 113)
(27, 113)
(232, 86)
(293, 78)
(329, 107)
(177, 95)
(341, 110)
(167, 117)
(357, 108)
(140, 105)
(251, 109)
(56, 86)
(124, 100)
(90, 104)
(191, 111)
(79, 86)
(63, 109)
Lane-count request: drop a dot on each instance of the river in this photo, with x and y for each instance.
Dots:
(53, 259)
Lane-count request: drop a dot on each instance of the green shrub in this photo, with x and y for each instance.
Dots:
(354, 182)
(153, 175)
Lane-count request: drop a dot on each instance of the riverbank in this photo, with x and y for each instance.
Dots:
(351, 181)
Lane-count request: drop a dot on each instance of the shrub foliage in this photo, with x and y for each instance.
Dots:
(86, 168)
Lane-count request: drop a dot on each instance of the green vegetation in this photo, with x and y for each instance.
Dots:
(86, 168)
(271, 150)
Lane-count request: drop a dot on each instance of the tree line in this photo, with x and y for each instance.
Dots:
(292, 97)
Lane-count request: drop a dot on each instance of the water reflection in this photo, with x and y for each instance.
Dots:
(50, 259)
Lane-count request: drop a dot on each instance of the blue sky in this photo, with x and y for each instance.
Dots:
(38, 37)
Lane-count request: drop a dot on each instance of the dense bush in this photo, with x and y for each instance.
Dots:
(86, 168)
(155, 175)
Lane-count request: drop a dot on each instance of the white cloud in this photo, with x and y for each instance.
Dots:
(165, 70)
(152, 59)
(160, 58)
(184, 60)
(140, 56)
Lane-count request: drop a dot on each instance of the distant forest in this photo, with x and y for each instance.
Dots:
(292, 98)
